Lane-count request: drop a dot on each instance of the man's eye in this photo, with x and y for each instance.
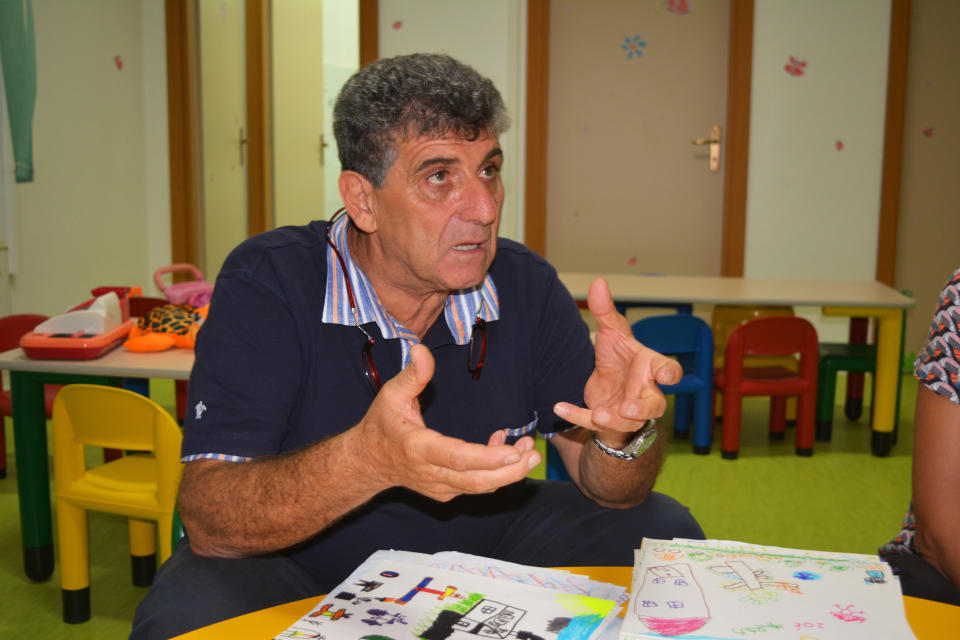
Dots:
(438, 177)
(491, 171)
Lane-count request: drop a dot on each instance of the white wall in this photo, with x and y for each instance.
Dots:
(97, 212)
(489, 36)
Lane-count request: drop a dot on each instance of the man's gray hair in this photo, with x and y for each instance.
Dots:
(408, 97)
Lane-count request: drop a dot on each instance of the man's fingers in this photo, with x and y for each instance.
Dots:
(575, 415)
(600, 303)
(667, 370)
(415, 376)
(451, 453)
(628, 416)
(457, 467)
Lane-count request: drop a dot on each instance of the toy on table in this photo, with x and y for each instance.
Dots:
(85, 332)
(194, 292)
(165, 326)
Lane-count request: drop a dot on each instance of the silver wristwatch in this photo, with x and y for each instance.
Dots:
(637, 446)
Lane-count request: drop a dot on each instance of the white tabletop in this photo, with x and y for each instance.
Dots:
(172, 364)
(725, 290)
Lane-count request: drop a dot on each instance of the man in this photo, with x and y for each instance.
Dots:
(372, 382)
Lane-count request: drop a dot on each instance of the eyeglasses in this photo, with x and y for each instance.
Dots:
(476, 352)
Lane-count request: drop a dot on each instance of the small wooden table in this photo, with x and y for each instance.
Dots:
(27, 377)
(867, 299)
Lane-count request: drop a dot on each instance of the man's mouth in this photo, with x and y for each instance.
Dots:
(467, 247)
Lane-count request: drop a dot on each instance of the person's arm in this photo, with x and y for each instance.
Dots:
(605, 479)
(936, 481)
(236, 509)
(621, 396)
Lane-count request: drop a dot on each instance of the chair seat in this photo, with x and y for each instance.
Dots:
(765, 381)
(847, 349)
(135, 472)
(128, 484)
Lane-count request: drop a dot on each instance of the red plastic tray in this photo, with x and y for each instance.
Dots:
(65, 346)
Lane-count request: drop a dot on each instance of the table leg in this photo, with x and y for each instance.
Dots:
(889, 328)
(33, 479)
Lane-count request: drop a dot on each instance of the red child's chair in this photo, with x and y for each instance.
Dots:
(769, 336)
(12, 329)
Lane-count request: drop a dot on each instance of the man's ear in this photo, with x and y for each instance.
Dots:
(357, 195)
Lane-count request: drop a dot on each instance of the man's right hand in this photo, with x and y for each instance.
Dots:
(403, 451)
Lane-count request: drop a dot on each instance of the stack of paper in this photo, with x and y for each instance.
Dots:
(723, 589)
(396, 594)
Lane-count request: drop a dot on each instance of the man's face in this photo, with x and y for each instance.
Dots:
(438, 211)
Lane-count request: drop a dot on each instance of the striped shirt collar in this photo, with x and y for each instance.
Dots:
(461, 308)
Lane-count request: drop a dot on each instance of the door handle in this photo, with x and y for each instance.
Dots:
(714, 142)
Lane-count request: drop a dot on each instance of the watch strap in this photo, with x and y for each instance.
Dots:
(638, 445)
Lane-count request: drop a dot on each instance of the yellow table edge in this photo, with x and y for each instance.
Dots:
(929, 620)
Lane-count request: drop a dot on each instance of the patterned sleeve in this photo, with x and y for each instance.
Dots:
(938, 365)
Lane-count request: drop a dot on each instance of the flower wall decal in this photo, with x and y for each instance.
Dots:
(633, 46)
(795, 67)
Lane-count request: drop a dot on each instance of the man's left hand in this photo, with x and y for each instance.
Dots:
(622, 392)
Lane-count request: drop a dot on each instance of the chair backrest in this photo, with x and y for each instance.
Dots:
(673, 334)
(140, 305)
(678, 335)
(13, 327)
(110, 417)
(773, 336)
(724, 318)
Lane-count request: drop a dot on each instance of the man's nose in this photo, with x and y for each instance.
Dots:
(482, 201)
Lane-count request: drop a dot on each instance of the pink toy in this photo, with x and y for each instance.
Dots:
(195, 292)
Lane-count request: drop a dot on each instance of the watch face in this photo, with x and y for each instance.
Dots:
(640, 442)
(643, 440)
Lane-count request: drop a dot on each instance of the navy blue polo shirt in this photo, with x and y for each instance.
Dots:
(270, 376)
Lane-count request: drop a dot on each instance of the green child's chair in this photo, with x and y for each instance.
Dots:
(142, 485)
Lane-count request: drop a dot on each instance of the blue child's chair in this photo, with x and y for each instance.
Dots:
(690, 339)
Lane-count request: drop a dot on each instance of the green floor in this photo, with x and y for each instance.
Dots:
(841, 499)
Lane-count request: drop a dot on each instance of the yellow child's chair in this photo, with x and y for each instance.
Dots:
(142, 485)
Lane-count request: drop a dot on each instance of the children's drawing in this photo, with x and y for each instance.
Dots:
(381, 617)
(487, 619)
(875, 576)
(722, 589)
(847, 613)
(430, 603)
(758, 585)
(672, 601)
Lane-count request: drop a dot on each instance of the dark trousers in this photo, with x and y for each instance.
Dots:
(556, 526)
(919, 579)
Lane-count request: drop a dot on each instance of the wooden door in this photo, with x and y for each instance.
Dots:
(631, 85)
(224, 132)
(296, 63)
